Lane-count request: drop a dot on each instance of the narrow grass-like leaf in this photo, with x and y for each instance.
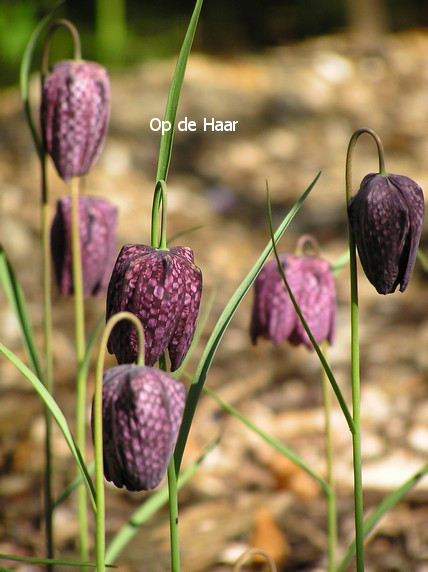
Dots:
(150, 507)
(325, 365)
(24, 78)
(184, 233)
(58, 415)
(203, 318)
(32, 560)
(340, 263)
(220, 328)
(165, 150)
(275, 443)
(16, 299)
(73, 485)
(423, 259)
(387, 504)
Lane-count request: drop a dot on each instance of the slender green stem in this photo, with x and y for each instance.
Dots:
(158, 199)
(98, 429)
(331, 498)
(47, 337)
(79, 320)
(172, 502)
(355, 358)
(62, 22)
(352, 143)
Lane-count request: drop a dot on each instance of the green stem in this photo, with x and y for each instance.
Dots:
(62, 22)
(331, 498)
(355, 358)
(158, 199)
(172, 502)
(98, 429)
(352, 143)
(47, 336)
(79, 318)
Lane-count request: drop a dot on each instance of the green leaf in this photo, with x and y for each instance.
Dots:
(275, 443)
(340, 263)
(150, 506)
(184, 233)
(16, 299)
(24, 78)
(31, 560)
(220, 328)
(387, 504)
(202, 320)
(58, 415)
(422, 257)
(84, 366)
(320, 355)
(75, 483)
(165, 150)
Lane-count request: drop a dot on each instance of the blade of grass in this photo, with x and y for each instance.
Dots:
(32, 560)
(275, 443)
(73, 486)
(16, 299)
(24, 77)
(184, 233)
(387, 504)
(202, 320)
(84, 366)
(58, 415)
(165, 150)
(422, 257)
(220, 328)
(325, 365)
(150, 507)
(340, 263)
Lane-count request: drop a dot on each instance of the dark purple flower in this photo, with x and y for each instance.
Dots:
(142, 409)
(75, 110)
(386, 217)
(163, 289)
(97, 228)
(312, 284)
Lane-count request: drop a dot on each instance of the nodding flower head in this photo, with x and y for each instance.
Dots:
(312, 284)
(97, 231)
(386, 217)
(142, 409)
(163, 289)
(75, 111)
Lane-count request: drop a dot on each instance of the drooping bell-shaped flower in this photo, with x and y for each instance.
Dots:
(312, 284)
(163, 289)
(142, 409)
(97, 231)
(75, 111)
(386, 217)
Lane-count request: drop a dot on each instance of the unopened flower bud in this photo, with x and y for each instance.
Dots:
(163, 289)
(75, 110)
(386, 217)
(97, 232)
(312, 284)
(142, 409)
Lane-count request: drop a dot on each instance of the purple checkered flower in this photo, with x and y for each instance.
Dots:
(386, 216)
(163, 289)
(274, 317)
(75, 110)
(97, 229)
(142, 409)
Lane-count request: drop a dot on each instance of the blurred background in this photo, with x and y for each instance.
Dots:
(299, 78)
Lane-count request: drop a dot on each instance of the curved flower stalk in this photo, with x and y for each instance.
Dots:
(142, 411)
(74, 115)
(163, 289)
(274, 317)
(97, 232)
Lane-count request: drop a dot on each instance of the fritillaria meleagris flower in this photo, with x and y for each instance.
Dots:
(386, 217)
(312, 283)
(163, 289)
(97, 229)
(142, 409)
(75, 111)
